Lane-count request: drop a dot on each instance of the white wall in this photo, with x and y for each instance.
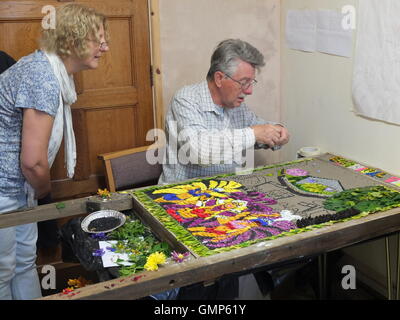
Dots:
(191, 29)
(317, 108)
(317, 103)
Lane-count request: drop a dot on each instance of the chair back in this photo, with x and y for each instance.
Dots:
(129, 168)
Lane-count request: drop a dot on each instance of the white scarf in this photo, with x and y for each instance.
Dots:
(62, 123)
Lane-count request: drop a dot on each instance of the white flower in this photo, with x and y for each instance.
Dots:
(288, 215)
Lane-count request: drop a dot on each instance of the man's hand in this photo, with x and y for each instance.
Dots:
(284, 135)
(272, 135)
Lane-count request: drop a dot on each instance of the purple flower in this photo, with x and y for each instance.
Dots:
(260, 233)
(195, 223)
(296, 172)
(218, 208)
(98, 253)
(179, 257)
(99, 236)
(284, 225)
(273, 231)
(211, 202)
(111, 249)
(227, 214)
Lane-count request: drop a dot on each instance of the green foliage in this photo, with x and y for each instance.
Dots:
(308, 187)
(131, 228)
(368, 199)
(60, 205)
(136, 240)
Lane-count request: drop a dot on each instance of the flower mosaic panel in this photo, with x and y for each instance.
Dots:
(231, 211)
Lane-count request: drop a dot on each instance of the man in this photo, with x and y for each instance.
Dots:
(208, 125)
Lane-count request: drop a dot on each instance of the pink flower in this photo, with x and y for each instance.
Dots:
(296, 172)
(179, 257)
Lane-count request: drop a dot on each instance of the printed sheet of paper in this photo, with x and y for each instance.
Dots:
(110, 258)
(331, 38)
(320, 30)
(301, 30)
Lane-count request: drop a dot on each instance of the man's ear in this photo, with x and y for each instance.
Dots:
(218, 77)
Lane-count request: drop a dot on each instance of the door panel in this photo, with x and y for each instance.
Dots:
(115, 69)
(114, 110)
(102, 136)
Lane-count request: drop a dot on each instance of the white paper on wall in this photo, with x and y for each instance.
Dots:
(318, 30)
(376, 75)
(301, 30)
(331, 37)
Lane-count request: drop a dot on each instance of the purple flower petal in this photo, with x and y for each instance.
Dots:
(98, 253)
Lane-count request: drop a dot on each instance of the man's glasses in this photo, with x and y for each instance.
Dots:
(244, 84)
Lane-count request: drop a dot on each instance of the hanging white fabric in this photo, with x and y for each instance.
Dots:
(63, 120)
(376, 74)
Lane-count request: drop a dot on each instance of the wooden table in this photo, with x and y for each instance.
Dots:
(207, 269)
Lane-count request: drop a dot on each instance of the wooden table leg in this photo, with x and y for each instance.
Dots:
(322, 276)
(388, 270)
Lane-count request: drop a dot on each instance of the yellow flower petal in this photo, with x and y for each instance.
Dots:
(200, 185)
(213, 184)
(222, 184)
(233, 185)
(170, 190)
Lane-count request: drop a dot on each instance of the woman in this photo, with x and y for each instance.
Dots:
(35, 98)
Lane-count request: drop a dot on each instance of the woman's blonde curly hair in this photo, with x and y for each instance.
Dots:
(75, 25)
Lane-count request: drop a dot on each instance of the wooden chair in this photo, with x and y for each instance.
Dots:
(127, 169)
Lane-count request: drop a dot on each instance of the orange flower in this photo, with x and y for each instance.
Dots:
(78, 283)
(103, 193)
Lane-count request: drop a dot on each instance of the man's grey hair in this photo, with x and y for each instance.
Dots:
(228, 54)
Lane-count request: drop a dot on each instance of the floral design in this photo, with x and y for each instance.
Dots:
(300, 180)
(220, 213)
(212, 215)
(342, 161)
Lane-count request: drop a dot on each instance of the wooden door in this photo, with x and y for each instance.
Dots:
(114, 110)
